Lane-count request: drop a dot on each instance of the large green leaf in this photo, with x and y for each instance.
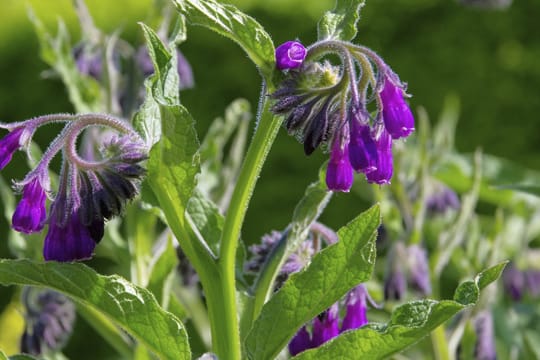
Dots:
(408, 324)
(230, 22)
(332, 273)
(133, 308)
(206, 219)
(340, 23)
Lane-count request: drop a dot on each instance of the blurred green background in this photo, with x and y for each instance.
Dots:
(489, 58)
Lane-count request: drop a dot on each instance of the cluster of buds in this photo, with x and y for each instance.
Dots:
(50, 317)
(354, 110)
(91, 189)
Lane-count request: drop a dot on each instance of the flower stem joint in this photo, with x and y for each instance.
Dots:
(91, 190)
(354, 111)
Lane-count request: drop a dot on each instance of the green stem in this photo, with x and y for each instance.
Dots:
(263, 139)
(440, 345)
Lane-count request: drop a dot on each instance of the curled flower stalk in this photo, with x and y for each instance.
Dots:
(354, 111)
(90, 191)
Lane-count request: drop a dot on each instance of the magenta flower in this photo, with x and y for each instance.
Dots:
(325, 326)
(398, 118)
(8, 145)
(385, 164)
(290, 55)
(300, 342)
(339, 174)
(356, 315)
(30, 214)
(362, 149)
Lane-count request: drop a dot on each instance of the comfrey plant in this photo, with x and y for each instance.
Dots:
(171, 278)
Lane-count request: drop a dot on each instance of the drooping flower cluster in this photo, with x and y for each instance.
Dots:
(519, 283)
(326, 325)
(50, 317)
(90, 190)
(354, 111)
(407, 266)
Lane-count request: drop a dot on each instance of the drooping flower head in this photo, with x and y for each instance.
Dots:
(90, 191)
(358, 107)
(50, 317)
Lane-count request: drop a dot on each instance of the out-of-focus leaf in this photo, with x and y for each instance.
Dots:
(499, 176)
(340, 23)
(408, 324)
(328, 277)
(131, 307)
(230, 22)
(161, 274)
(83, 92)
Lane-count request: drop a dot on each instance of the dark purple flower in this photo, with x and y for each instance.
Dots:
(9, 144)
(442, 199)
(89, 61)
(71, 242)
(325, 326)
(514, 281)
(397, 116)
(395, 285)
(356, 303)
(385, 163)
(290, 55)
(485, 337)
(50, 317)
(532, 279)
(30, 214)
(300, 342)
(339, 173)
(362, 148)
(419, 275)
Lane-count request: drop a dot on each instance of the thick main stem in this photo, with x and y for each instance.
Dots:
(257, 152)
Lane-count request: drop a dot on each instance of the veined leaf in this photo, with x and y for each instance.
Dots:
(230, 22)
(331, 273)
(340, 23)
(408, 324)
(133, 308)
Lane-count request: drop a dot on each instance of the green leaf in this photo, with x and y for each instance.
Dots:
(230, 22)
(306, 212)
(162, 273)
(207, 219)
(328, 277)
(20, 357)
(132, 307)
(84, 92)
(488, 276)
(3, 356)
(503, 182)
(408, 324)
(340, 23)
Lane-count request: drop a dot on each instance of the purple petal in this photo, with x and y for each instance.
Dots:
(385, 163)
(356, 303)
(398, 118)
(8, 145)
(339, 173)
(326, 326)
(30, 214)
(300, 342)
(290, 55)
